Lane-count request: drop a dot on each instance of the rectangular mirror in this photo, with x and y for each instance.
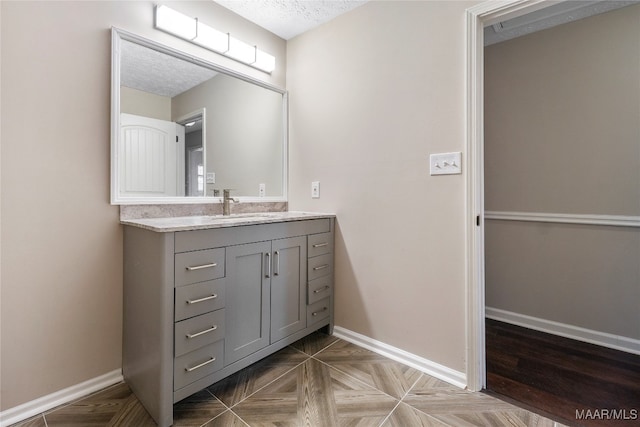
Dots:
(183, 129)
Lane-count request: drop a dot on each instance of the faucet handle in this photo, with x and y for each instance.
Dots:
(226, 195)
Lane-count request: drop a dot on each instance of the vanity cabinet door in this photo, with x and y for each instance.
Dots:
(288, 312)
(248, 268)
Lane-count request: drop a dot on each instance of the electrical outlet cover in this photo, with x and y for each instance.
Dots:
(315, 190)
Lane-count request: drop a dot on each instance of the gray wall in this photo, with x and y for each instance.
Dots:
(562, 135)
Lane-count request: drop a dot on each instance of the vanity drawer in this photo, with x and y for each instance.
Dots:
(199, 266)
(197, 364)
(320, 266)
(318, 311)
(319, 244)
(319, 289)
(198, 331)
(199, 298)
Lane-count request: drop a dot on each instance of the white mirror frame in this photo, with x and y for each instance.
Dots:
(116, 199)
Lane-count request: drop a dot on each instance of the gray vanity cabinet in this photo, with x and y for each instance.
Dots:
(264, 294)
(288, 282)
(200, 305)
(247, 299)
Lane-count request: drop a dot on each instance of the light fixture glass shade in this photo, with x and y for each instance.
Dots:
(264, 61)
(203, 35)
(174, 22)
(241, 51)
(211, 38)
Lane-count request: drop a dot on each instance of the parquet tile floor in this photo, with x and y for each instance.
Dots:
(316, 382)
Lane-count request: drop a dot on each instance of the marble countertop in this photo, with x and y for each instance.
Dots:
(187, 223)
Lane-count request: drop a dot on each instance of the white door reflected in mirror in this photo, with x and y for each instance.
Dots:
(150, 154)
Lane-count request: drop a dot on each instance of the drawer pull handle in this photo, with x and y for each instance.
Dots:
(206, 331)
(321, 245)
(320, 267)
(213, 359)
(195, 301)
(200, 267)
(317, 291)
(315, 313)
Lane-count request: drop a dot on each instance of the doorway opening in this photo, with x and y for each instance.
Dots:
(479, 17)
(194, 153)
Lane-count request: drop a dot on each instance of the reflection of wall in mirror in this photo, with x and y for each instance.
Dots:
(140, 103)
(244, 133)
(244, 130)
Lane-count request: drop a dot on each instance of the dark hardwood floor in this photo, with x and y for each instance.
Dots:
(564, 378)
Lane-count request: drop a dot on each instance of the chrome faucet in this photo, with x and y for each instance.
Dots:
(226, 210)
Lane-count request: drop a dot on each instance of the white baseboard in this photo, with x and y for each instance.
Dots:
(603, 339)
(44, 403)
(458, 379)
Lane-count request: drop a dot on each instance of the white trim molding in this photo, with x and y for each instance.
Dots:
(559, 218)
(434, 369)
(603, 339)
(69, 394)
(486, 13)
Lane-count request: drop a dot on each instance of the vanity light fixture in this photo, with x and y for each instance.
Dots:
(241, 51)
(175, 23)
(191, 29)
(211, 38)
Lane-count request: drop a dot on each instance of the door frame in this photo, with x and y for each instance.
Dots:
(477, 17)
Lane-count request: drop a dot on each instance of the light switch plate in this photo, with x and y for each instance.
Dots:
(315, 190)
(445, 163)
(262, 190)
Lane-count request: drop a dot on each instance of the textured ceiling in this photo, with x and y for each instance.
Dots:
(155, 72)
(289, 18)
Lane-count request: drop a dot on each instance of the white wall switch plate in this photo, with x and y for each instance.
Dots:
(445, 163)
(262, 190)
(315, 190)
(211, 178)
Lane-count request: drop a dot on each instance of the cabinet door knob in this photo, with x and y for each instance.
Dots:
(315, 313)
